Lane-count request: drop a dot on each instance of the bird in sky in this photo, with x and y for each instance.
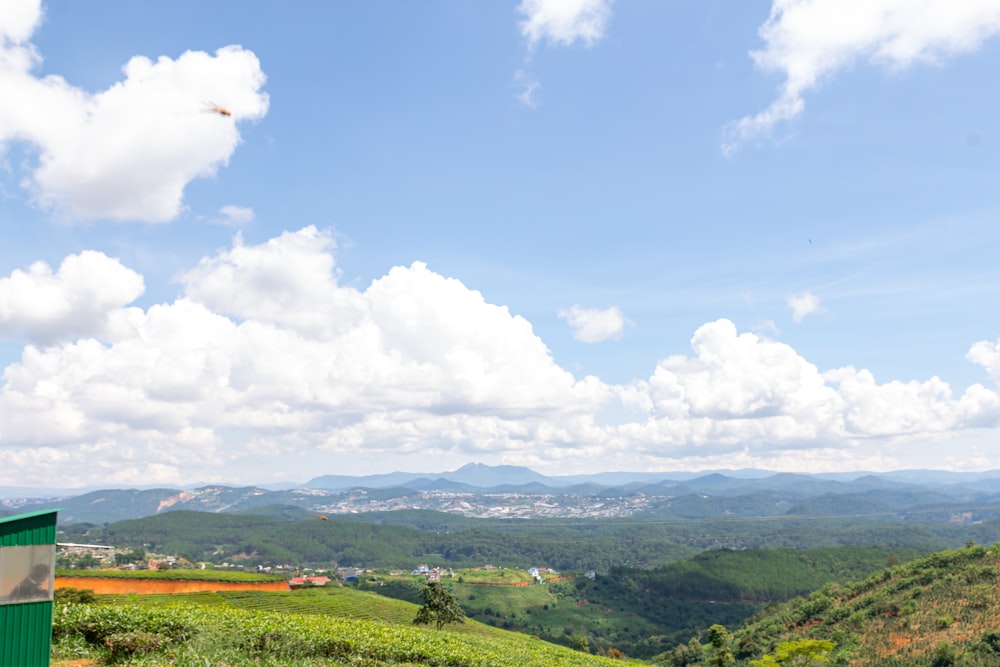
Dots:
(212, 107)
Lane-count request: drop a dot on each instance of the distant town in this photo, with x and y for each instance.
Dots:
(494, 505)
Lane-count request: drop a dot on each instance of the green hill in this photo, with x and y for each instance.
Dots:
(403, 540)
(941, 610)
(196, 634)
(643, 612)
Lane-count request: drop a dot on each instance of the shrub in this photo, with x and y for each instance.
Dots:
(124, 645)
(74, 595)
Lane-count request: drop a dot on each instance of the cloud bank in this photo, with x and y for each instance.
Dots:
(128, 152)
(809, 41)
(267, 362)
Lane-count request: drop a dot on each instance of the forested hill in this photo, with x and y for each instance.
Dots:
(563, 545)
(252, 540)
(939, 610)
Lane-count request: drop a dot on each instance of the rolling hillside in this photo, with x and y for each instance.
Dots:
(940, 610)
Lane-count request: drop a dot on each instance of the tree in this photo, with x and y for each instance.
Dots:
(721, 654)
(440, 606)
(803, 652)
(579, 641)
(944, 656)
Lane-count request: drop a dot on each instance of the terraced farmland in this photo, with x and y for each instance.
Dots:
(327, 601)
(207, 598)
(338, 602)
(198, 635)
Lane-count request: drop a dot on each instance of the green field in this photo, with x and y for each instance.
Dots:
(196, 634)
(328, 601)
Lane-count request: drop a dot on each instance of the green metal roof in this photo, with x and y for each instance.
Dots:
(29, 528)
(26, 515)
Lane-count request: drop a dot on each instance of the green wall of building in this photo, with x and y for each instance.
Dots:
(26, 627)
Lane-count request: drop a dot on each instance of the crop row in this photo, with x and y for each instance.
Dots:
(164, 599)
(354, 605)
(258, 635)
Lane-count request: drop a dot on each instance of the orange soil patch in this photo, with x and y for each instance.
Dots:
(105, 585)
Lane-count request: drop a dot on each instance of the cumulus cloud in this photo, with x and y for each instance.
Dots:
(593, 325)
(803, 305)
(127, 152)
(807, 41)
(564, 22)
(739, 390)
(83, 298)
(267, 366)
(987, 354)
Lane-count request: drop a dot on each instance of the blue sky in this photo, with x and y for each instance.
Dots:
(577, 235)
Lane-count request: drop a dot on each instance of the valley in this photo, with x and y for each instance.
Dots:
(644, 568)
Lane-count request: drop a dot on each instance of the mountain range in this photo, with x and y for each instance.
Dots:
(968, 496)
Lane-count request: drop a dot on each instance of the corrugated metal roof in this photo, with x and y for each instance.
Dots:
(30, 528)
(26, 515)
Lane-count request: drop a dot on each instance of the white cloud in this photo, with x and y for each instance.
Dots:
(804, 304)
(987, 354)
(18, 21)
(563, 22)
(267, 367)
(560, 22)
(128, 152)
(808, 41)
(741, 391)
(527, 88)
(84, 297)
(236, 216)
(593, 325)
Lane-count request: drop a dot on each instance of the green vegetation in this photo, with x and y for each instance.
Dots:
(656, 582)
(195, 635)
(644, 612)
(801, 653)
(323, 601)
(74, 595)
(376, 540)
(439, 608)
(937, 610)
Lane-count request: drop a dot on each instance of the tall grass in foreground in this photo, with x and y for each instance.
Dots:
(225, 637)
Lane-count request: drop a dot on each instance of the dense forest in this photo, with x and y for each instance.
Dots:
(384, 540)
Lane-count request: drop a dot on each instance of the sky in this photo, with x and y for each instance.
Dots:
(257, 242)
